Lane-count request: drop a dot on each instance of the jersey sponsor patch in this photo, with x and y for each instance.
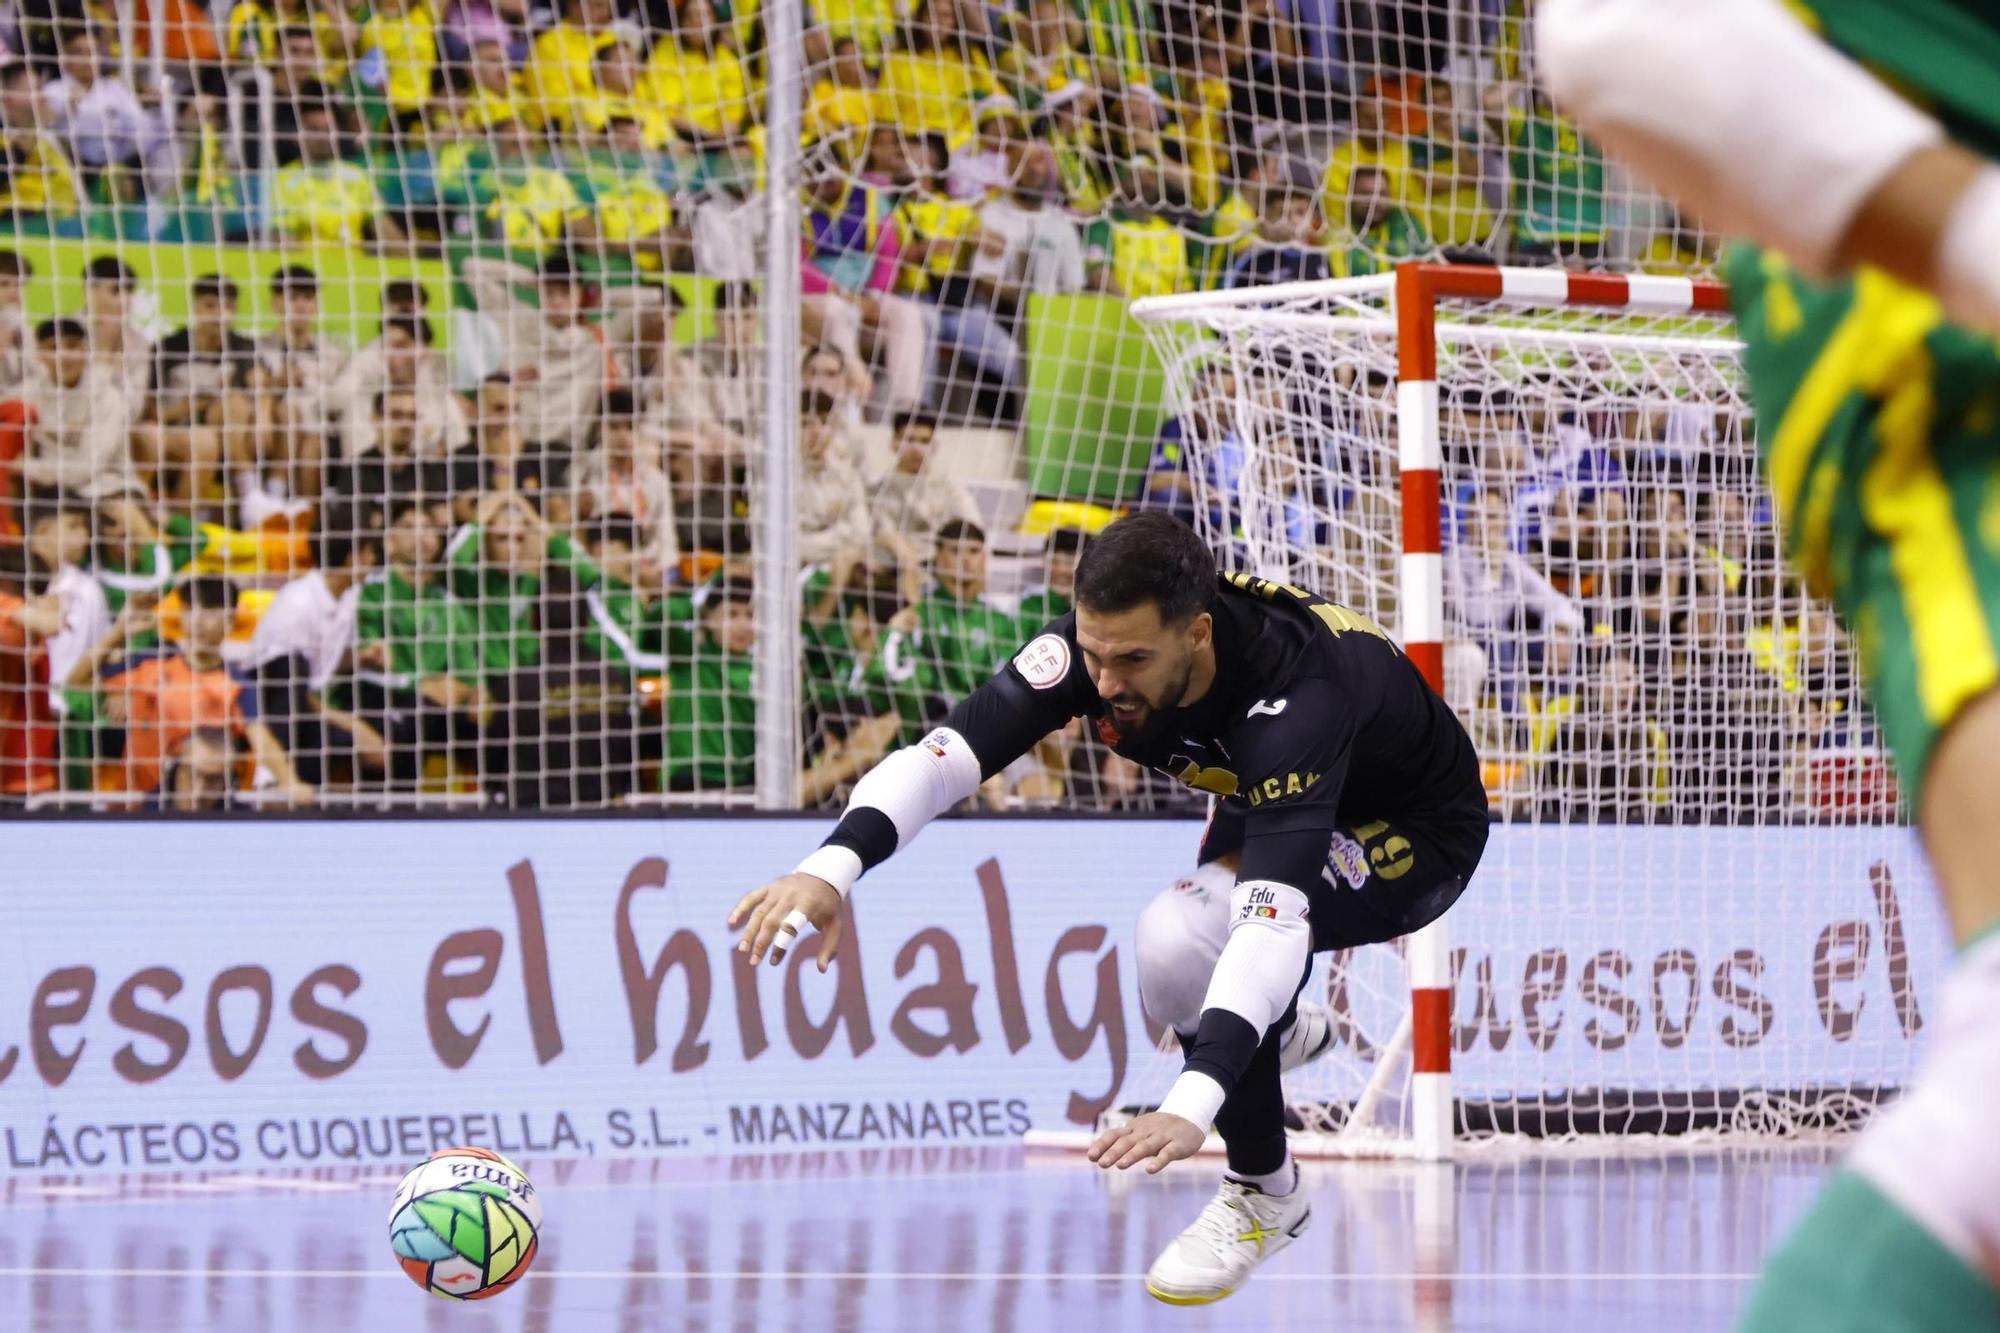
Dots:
(1348, 859)
(1044, 662)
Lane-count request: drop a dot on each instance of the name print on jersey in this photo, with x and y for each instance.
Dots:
(1276, 789)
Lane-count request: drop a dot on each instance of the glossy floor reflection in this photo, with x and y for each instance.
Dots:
(918, 1239)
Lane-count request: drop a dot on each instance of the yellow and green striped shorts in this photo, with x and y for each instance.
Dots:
(1879, 424)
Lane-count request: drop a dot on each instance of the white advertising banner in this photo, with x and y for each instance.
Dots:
(179, 996)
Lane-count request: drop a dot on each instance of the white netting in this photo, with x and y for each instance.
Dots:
(1626, 647)
(399, 199)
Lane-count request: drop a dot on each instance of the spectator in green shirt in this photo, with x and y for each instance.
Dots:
(498, 564)
(952, 639)
(417, 670)
(1558, 186)
(711, 740)
(712, 712)
(633, 622)
(1379, 233)
(1040, 605)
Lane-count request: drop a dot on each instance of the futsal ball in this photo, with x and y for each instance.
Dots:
(465, 1223)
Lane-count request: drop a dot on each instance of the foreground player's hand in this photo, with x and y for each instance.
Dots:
(763, 913)
(1155, 1138)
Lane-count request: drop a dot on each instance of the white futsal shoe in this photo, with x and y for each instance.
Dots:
(1308, 1038)
(1241, 1228)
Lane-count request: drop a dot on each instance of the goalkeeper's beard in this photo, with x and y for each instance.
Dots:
(1151, 717)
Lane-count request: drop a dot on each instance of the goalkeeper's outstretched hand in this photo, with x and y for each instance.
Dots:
(1156, 1138)
(772, 917)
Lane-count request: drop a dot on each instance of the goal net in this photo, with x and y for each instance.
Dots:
(1547, 485)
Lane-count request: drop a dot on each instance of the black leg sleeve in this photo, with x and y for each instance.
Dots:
(1252, 1121)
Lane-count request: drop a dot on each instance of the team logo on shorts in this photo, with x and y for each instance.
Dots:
(1044, 662)
(1348, 859)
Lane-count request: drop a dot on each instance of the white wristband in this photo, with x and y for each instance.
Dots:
(838, 866)
(1195, 1098)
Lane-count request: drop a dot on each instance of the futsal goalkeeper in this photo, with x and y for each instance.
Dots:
(1349, 810)
(1856, 139)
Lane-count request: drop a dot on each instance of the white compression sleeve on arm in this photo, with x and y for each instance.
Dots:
(910, 787)
(1734, 109)
(1259, 971)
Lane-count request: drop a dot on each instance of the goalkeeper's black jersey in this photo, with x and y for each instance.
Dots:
(1315, 721)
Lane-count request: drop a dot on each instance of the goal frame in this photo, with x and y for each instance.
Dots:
(1416, 290)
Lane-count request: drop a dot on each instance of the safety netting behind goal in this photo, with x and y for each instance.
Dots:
(1688, 787)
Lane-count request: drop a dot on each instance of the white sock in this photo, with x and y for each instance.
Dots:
(1277, 1183)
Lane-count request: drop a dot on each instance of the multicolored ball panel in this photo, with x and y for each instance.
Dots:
(464, 1224)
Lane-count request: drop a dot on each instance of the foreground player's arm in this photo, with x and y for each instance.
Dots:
(1744, 117)
(988, 730)
(1295, 765)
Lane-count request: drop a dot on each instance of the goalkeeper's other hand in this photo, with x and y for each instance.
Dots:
(766, 915)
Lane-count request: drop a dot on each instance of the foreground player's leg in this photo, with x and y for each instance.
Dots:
(1882, 462)
(1908, 1236)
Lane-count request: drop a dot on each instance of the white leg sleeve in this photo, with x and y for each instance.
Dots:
(1733, 109)
(1181, 934)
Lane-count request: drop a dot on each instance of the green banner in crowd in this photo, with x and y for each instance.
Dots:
(1096, 398)
(351, 281)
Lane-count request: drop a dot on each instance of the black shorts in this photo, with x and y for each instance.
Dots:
(1383, 879)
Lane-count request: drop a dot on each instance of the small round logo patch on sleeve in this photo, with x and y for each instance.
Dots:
(1044, 662)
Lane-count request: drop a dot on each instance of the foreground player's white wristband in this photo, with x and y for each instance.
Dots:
(1195, 1098)
(838, 866)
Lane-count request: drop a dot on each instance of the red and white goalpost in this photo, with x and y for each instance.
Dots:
(1680, 761)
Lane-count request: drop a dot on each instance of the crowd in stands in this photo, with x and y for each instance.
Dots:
(489, 533)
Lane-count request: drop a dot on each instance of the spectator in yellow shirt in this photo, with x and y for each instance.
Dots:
(398, 54)
(869, 24)
(560, 80)
(255, 29)
(1371, 146)
(623, 94)
(1678, 248)
(697, 78)
(524, 202)
(495, 93)
(1136, 252)
(39, 180)
(936, 74)
(842, 106)
(626, 210)
(1044, 58)
(323, 196)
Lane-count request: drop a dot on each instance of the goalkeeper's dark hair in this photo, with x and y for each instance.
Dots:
(1147, 558)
